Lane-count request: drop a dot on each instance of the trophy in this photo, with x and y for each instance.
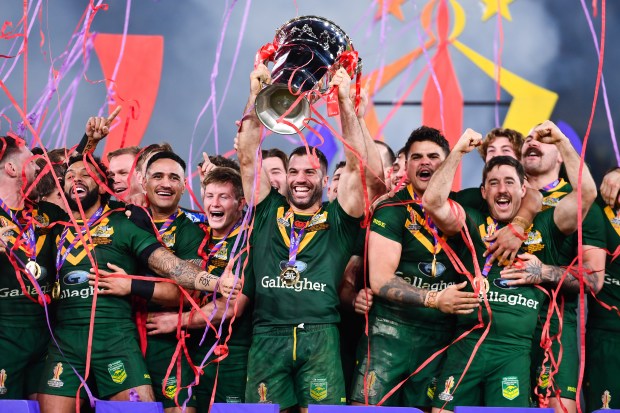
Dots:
(305, 51)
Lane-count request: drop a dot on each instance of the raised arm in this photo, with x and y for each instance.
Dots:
(449, 217)
(565, 214)
(247, 141)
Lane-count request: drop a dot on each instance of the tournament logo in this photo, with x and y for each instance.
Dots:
(262, 393)
(318, 389)
(171, 387)
(606, 399)
(503, 284)
(432, 387)
(55, 380)
(510, 387)
(117, 372)
(75, 277)
(3, 381)
(533, 243)
(445, 395)
(426, 268)
(371, 380)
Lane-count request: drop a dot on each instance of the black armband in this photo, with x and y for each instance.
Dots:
(143, 288)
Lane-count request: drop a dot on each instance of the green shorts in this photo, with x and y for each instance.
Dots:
(295, 366)
(567, 376)
(396, 351)
(159, 352)
(231, 377)
(601, 384)
(22, 357)
(116, 361)
(497, 377)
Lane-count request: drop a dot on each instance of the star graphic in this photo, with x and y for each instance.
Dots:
(492, 7)
(392, 7)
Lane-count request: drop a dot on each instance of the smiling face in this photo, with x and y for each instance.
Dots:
(222, 206)
(424, 159)
(80, 187)
(304, 183)
(399, 169)
(122, 172)
(164, 185)
(540, 158)
(503, 192)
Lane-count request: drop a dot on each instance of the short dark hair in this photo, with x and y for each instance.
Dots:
(9, 146)
(339, 165)
(224, 175)
(99, 167)
(426, 133)
(127, 150)
(503, 160)
(390, 151)
(302, 151)
(219, 160)
(276, 153)
(149, 150)
(47, 184)
(514, 137)
(165, 155)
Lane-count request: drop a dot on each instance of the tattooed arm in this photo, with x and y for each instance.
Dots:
(532, 271)
(186, 274)
(383, 258)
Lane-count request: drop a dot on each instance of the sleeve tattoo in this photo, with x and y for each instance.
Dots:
(400, 291)
(185, 273)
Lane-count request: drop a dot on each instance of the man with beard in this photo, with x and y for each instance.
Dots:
(26, 263)
(542, 163)
(103, 236)
(223, 203)
(406, 261)
(299, 249)
(497, 373)
(164, 184)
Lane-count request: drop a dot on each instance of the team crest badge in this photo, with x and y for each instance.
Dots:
(262, 393)
(550, 202)
(55, 380)
(171, 387)
(117, 372)
(103, 231)
(606, 399)
(169, 238)
(42, 220)
(3, 381)
(432, 387)
(318, 389)
(222, 254)
(510, 387)
(446, 394)
(534, 242)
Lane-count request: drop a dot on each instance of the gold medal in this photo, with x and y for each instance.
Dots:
(34, 269)
(434, 266)
(289, 276)
(484, 285)
(56, 290)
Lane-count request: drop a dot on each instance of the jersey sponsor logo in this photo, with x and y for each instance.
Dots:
(510, 387)
(446, 394)
(426, 268)
(503, 284)
(419, 282)
(82, 293)
(117, 372)
(318, 389)
(606, 399)
(379, 223)
(75, 277)
(3, 376)
(301, 285)
(610, 280)
(262, 393)
(16, 292)
(494, 296)
(171, 387)
(55, 380)
(534, 242)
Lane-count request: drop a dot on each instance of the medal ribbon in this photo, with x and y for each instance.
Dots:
(295, 239)
(27, 233)
(428, 221)
(550, 187)
(613, 217)
(490, 231)
(61, 258)
(168, 222)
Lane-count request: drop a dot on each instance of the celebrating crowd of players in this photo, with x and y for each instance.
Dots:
(471, 298)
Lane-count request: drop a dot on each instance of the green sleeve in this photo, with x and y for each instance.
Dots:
(389, 222)
(470, 197)
(348, 227)
(594, 227)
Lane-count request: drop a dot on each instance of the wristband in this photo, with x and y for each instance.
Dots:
(430, 301)
(143, 288)
(522, 222)
(516, 233)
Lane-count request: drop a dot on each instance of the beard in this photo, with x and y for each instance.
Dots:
(317, 193)
(87, 202)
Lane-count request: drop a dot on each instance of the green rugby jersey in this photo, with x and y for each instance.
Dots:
(116, 240)
(16, 308)
(401, 219)
(324, 252)
(599, 317)
(593, 234)
(514, 309)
